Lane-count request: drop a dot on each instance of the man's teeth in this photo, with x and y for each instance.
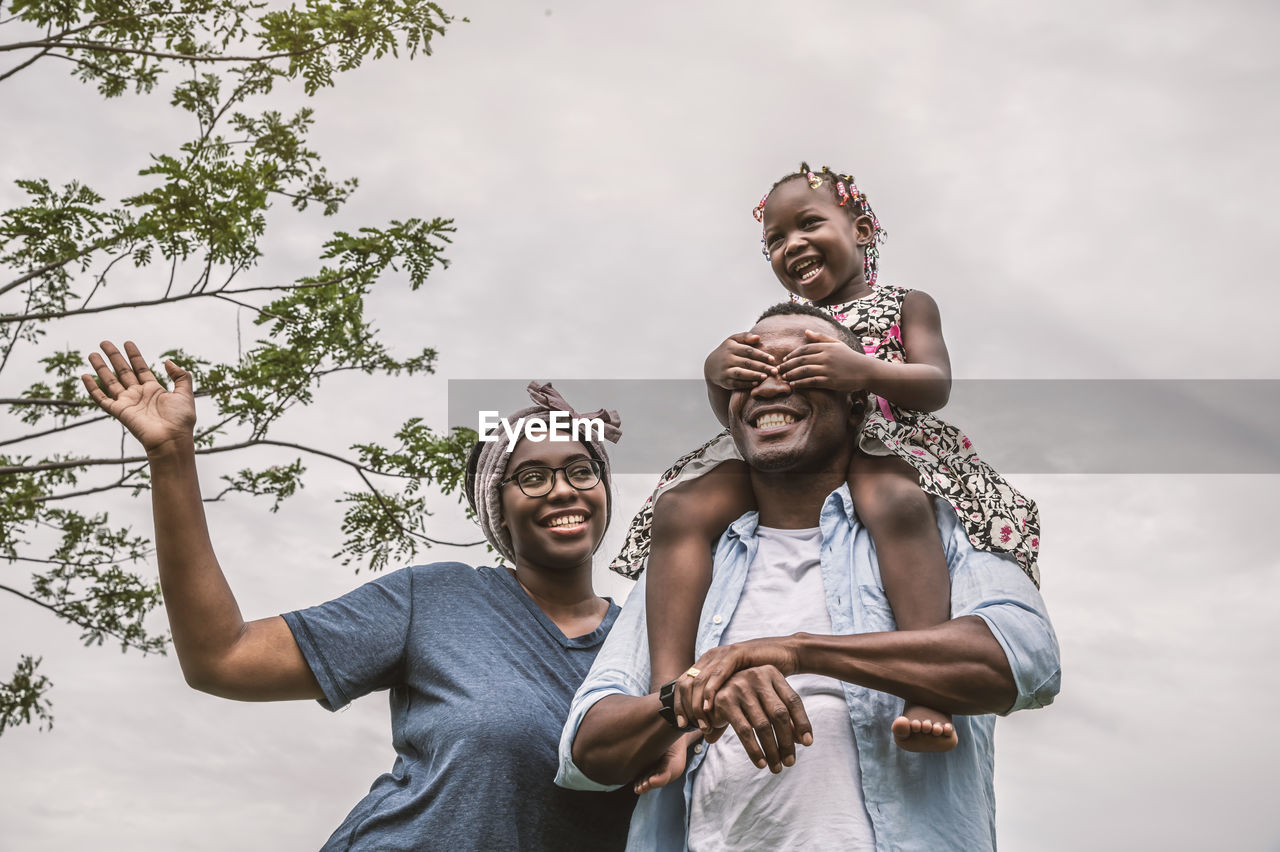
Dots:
(773, 421)
(566, 521)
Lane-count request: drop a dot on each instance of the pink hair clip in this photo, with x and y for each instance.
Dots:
(759, 211)
(814, 180)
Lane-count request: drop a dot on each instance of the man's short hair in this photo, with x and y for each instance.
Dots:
(785, 309)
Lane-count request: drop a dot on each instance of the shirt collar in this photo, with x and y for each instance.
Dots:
(837, 504)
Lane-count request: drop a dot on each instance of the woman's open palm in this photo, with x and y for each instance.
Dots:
(130, 393)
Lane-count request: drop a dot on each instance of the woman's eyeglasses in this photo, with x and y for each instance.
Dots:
(539, 480)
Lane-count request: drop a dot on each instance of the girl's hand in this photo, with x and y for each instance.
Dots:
(826, 362)
(696, 693)
(130, 393)
(737, 364)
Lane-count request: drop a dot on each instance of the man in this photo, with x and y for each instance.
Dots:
(797, 619)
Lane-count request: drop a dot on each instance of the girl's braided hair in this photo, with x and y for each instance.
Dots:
(844, 190)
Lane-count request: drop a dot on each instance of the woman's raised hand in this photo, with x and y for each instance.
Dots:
(130, 393)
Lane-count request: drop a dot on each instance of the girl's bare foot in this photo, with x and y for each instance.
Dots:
(923, 729)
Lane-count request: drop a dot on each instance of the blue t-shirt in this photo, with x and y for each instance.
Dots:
(480, 682)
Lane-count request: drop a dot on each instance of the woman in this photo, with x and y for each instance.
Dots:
(481, 663)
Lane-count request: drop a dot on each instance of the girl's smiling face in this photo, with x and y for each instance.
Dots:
(815, 248)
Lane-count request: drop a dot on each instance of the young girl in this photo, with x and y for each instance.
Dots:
(821, 238)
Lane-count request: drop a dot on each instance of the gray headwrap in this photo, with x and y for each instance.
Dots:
(487, 464)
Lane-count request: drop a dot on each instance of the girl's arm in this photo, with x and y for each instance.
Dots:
(735, 364)
(219, 652)
(921, 384)
(924, 382)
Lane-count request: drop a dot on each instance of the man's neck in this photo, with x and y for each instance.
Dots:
(793, 501)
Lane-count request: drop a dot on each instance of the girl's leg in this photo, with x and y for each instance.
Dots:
(688, 520)
(899, 517)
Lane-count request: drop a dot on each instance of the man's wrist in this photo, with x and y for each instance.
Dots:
(795, 646)
(667, 709)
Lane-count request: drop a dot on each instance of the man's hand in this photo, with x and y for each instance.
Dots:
(669, 767)
(695, 695)
(736, 364)
(130, 393)
(826, 362)
(767, 715)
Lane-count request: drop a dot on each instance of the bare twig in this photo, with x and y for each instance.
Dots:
(63, 428)
(15, 69)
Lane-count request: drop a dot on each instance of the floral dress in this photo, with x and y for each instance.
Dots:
(995, 515)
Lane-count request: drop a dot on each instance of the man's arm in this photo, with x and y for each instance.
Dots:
(620, 737)
(614, 733)
(999, 653)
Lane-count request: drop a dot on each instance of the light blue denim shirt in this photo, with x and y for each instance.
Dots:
(915, 801)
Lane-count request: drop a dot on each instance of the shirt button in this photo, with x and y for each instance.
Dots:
(697, 749)
(716, 619)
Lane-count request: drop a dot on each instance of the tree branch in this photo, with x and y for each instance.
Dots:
(102, 276)
(219, 294)
(377, 495)
(15, 69)
(39, 561)
(54, 430)
(200, 451)
(101, 47)
(93, 627)
(195, 294)
(119, 483)
(67, 403)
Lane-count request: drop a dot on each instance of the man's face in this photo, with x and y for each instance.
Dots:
(778, 428)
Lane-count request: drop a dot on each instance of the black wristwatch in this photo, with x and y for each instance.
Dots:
(667, 695)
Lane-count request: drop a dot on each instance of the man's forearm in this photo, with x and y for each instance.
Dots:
(620, 737)
(956, 667)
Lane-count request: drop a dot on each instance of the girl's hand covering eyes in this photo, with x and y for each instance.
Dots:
(736, 364)
(826, 362)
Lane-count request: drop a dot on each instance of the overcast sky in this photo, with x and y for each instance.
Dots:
(1086, 189)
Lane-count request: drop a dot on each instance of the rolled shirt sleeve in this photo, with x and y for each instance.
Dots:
(621, 668)
(995, 589)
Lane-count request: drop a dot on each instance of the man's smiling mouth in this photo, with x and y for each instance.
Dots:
(774, 420)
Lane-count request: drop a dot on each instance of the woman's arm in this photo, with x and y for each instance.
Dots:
(219, 652)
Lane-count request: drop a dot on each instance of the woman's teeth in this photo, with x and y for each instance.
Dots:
(566, 521)
(773, 421)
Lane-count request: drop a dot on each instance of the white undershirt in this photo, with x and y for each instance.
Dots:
(818, 802)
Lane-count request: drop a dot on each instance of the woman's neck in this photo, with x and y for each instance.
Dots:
(566, 596)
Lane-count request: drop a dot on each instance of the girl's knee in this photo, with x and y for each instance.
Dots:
(893, 503)
(703, 507)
